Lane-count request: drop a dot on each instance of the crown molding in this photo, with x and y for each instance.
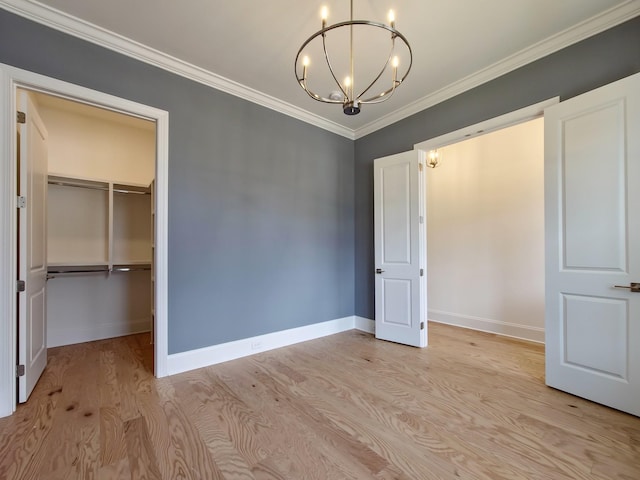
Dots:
(84, 30)
(594, 25)
(76, 27)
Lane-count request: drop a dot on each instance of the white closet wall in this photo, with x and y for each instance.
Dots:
(99, 222)
(98, 144)
(78, 225)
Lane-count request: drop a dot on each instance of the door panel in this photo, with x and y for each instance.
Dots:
(592, 186)
(395, 185)
(396, 301)
(32, 320)
(604, 351)
(400, 291)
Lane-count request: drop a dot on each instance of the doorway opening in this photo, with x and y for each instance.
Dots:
(485, 232)
(10, 82)
(485, 225)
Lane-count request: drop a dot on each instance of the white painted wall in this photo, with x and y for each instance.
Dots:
(83, 145)
(485, 233)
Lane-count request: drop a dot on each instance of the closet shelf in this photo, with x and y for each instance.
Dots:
(128, 188)
(98, 185)
(54, 271)
(77, 267)
(77, 182)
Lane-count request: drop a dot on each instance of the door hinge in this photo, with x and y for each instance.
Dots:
(21, 117)
(19, 370)
(21, 202)
(421, 325)
(422, 272)
(20, 286)
(420, 166)
(421, 219)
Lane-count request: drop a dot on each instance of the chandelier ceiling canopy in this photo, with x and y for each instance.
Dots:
(353, 63)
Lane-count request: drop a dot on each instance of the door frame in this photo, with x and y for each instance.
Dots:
(12, 78)
(521, 115)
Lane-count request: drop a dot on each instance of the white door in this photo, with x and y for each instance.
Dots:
(400, 250)
(592, 217)
(32, 247)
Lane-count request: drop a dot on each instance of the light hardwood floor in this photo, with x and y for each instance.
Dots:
(471, 405)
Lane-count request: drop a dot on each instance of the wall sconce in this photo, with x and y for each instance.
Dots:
(433, 159)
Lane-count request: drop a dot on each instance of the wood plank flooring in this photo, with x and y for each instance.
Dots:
(470, 406)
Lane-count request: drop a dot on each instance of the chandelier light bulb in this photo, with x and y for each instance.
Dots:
(392, 19)
(305, 61)
(394, 63)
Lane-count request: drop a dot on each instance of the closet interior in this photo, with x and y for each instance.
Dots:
(100, 222)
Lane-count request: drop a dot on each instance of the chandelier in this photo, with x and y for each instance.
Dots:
(375, 37)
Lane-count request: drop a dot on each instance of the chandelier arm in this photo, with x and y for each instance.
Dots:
(326, 57)
(302, 81)
(384, 67)
(387, 93)
(315, 96)
(381, 97)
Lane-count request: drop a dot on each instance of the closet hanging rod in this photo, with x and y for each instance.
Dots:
(61, 271)
(131, 269)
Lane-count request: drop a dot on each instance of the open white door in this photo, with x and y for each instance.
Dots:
(32, 241)
(592, 198)
(400, 293)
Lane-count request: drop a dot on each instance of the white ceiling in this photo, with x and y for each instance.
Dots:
(248, 47)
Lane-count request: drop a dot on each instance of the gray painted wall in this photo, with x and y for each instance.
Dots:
(260, 205)
(594, 62)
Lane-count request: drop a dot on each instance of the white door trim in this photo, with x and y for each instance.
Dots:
(498, 123)
(10, 79)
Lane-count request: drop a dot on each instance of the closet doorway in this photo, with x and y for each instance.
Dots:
(96, 219)
(123, 255)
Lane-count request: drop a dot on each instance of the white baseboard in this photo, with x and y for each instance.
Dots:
(203, 357)
(57, 337)
(365, 324)
(523, 332)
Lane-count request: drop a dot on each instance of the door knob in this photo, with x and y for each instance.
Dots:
(379, 270)
(633, 286)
